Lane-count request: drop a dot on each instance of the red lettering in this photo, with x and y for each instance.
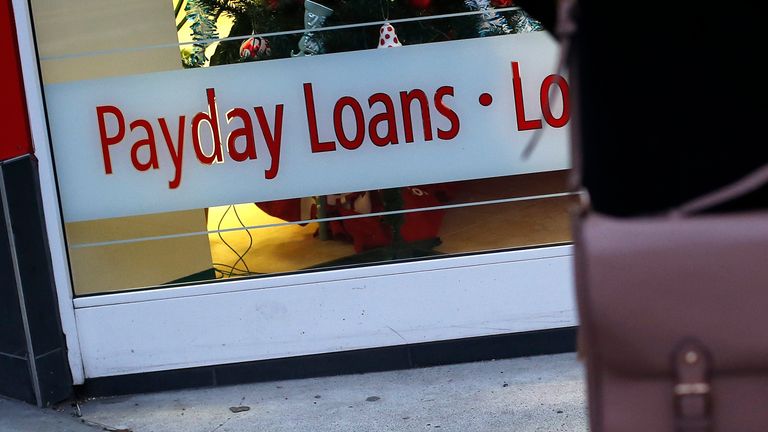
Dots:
(177, 154)
(273, 139)
(406, 99)
(148, 142)
(388, 117)
(338, 123)
(107, 141)
(212, 118)
(555, 122)
(309, 101)
(245, 131)
(448, 113)
(517, 83)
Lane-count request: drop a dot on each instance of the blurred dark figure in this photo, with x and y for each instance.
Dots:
(673, 102)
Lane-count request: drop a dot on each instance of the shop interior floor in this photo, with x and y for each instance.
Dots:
(276, 249)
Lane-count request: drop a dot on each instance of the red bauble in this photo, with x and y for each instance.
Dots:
(255, 48)
(420, 4)
(502, 3)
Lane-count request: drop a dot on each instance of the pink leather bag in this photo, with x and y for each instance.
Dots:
(674, 317)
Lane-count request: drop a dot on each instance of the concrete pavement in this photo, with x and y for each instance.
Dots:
(20, 417)
(529, 394)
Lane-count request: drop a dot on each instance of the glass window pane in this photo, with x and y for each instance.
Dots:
(198, 140)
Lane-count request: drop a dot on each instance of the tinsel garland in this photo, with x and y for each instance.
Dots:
(491, 23)
(523, 23)
(203, 28)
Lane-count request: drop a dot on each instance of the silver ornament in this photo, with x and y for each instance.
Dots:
(315, 16)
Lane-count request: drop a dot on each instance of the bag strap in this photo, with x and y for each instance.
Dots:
(565, 29)
(738, 189)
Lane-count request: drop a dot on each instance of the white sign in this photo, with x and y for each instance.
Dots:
(308, 126)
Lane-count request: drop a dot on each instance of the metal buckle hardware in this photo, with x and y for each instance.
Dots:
(692, 365)
(688, 389)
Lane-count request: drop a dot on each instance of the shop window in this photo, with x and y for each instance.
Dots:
(201, 140)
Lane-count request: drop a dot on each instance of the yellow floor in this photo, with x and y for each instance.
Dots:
(267, 250)
(469, 229)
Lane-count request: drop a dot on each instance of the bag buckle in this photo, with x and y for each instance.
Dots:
(692, 390)
(688, 389)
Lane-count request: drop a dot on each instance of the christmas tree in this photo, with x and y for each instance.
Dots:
(269, 16)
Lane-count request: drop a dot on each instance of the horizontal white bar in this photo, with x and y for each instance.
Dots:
(239, 285)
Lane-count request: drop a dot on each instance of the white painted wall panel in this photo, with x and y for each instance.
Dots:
(507, 293)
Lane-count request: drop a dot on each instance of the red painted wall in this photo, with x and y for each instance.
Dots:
(15, 139)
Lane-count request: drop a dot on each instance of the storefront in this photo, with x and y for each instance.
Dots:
(232, 182)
